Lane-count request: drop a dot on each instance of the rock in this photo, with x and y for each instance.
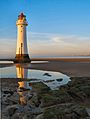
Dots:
(37, 111)
(71, 101)
(59, 80)
(15, 116)
(40, 116)
(15, 97)
(75, 96)
(28, 108)
(11, 111)
(8, 92)
(79, 111)
(65, 112)
(88, 111)
(47, 74)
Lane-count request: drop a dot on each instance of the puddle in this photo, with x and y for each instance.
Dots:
(33, 62)
(52, 79)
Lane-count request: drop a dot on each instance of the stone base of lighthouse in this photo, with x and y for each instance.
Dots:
(22, 58)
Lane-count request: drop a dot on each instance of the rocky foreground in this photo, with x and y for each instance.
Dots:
(71, 101)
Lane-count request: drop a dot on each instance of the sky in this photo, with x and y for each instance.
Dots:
(55, 27)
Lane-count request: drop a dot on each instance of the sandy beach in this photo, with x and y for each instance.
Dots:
(73, 67)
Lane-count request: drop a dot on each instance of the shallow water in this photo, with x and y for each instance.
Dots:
(4, 62)
(52, 79)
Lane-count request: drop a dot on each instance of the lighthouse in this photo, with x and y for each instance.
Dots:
(21, 50)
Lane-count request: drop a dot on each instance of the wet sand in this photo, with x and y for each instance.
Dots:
(73, 67)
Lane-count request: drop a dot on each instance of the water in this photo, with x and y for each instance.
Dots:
(52, 79)
(39, 62)
(4, 62)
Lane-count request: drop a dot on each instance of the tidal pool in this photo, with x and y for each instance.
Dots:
(52, 79)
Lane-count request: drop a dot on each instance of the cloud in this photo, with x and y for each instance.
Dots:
(56, 37)
(48, 44)
(57, 44)
(7, 48)
(71, 39)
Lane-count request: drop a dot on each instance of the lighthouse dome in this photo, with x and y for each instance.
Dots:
(21, 20)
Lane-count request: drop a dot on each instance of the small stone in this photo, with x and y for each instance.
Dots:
(59, 79)
(47, 74)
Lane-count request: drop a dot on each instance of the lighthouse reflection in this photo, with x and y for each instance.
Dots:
(25, 88)
(21, 71)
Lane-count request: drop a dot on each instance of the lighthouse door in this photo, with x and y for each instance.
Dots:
(21, 48)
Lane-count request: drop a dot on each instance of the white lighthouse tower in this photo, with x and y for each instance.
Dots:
(21, 50)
